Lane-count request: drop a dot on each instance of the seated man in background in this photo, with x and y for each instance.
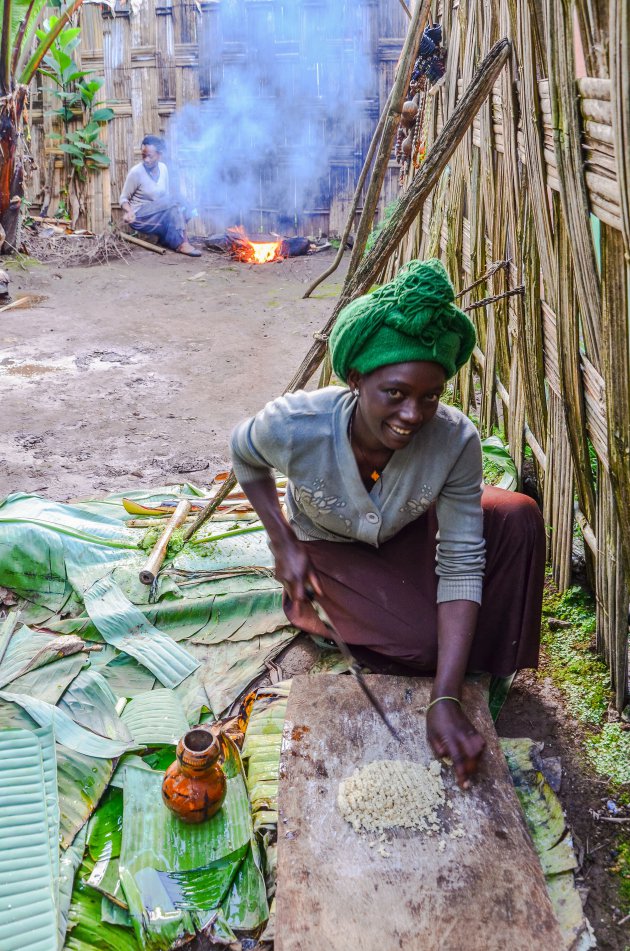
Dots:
(147, 204)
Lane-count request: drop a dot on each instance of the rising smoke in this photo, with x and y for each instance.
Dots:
(284, 82)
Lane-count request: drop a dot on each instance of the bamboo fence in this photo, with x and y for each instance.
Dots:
(542, 182)
(158, 56)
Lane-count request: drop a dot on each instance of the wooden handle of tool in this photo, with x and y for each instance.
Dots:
(154, 563)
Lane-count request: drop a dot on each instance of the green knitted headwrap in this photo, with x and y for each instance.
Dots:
(411, 318)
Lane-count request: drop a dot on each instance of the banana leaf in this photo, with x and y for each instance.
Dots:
(208, 611)
(81, 781)
(105, 827)
(86, 929)
(113, 914)
(261, 753)
(91, 703)
(67, 732)
(126, 677)
(155, 718)
(124, 626)
(48, 549)
(551, 838)
(176, 877)
(29, 650)
(69, 863)
(29, 835)
(50, 682)
(220, 552)
(495, 452)
(235, 665)
(243, 615)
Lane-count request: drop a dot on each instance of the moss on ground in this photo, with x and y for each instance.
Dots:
(583, 678)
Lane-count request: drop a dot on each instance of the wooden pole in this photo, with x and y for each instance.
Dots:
(409, 206)
(397, 98)
(154, 563)
(131, 238)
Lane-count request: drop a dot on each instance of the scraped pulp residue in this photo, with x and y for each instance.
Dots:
(389, 793)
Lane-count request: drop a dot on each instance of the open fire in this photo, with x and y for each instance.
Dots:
(261, 251)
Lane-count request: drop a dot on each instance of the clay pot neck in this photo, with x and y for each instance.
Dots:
(198, 750)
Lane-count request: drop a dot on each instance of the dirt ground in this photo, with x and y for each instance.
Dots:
(132, 375)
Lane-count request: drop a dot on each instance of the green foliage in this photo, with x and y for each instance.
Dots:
(77, 93)
(375, 232)
(584, 679)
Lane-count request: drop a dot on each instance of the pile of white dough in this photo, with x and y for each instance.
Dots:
(389, 793)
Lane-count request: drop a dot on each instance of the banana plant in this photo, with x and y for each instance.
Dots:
(21, 55)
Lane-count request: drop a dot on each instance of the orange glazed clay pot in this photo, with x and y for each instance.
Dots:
(194, 785)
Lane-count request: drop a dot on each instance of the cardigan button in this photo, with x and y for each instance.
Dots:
(373, 517)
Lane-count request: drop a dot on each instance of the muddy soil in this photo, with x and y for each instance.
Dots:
(132, 375)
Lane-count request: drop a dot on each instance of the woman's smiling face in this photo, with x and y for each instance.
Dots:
(395, 401)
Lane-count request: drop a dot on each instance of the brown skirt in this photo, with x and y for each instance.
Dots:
(384, 598)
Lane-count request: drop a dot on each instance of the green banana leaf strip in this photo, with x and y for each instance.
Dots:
(29, 650)
(127, 678)
(86, 929)
(184, 870)
(124, 626)
(261, 753)
(105, 826)
(48, 549)
(67, 732)
(50, 682)
(105, 879)
(155, 718)
(69, 863)
(29, 833)
(494, 450)
(236, 665)
(245, 906)
(90, 702)
(546, 823)
(81, 780)
(113, 914)
(243, 615)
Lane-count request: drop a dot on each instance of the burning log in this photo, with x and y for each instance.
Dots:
(266, 247)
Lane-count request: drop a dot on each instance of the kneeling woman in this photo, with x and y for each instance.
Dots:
(386, 518)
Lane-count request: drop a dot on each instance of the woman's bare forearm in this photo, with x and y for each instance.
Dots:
(264, 497)
(457, 621)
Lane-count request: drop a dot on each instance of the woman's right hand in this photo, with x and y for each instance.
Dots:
(294, 570)
(129, 216)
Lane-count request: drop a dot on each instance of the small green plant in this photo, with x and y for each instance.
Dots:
(584, 679)
(77, 91)
(376, 230)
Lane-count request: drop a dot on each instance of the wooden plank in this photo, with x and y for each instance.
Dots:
(484, 892)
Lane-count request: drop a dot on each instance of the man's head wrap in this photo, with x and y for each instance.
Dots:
(411, 318)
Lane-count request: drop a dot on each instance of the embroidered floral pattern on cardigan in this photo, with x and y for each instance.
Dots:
(419, 506)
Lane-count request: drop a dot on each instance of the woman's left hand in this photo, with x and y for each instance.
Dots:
(451, 734)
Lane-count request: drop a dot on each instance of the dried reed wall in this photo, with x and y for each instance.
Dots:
(157, 56)
(542, 183)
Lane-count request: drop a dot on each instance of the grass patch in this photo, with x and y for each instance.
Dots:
(583, 678)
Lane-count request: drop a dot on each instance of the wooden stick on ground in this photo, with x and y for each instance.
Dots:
(131, 238)
(154, 562)
(409, 206)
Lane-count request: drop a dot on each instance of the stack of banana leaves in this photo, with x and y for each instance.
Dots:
(100, 676)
